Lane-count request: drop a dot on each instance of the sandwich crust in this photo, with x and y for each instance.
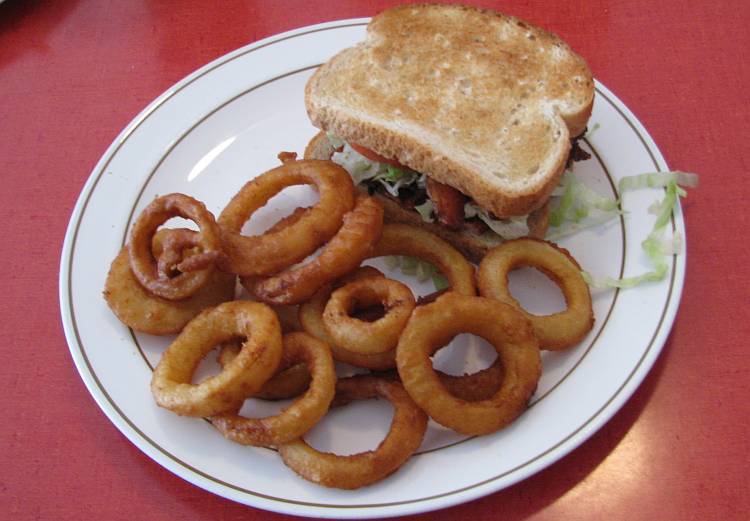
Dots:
(473, 245)
(477, 100)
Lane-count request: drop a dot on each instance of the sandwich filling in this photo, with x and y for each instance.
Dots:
(413, 190)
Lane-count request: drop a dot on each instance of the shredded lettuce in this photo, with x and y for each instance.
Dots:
(362, 169)
(335, 142)
(440, 282)
(425, 210)
(409, 265)
(570, 228)
(391, 262)
(417, 267)
(658, 179)
(424, 271)
(656, 246)
(394, 179)
(593, 129)
(566, 194)
(358, 166)
(510, 228)
(577, 206)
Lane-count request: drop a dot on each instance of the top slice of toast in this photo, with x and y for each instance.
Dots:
(476, 99)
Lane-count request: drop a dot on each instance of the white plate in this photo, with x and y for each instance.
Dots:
(225, 124)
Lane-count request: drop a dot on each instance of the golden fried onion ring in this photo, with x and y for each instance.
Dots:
(242, 377)
(311, 317)
(434, 325)
(475, 386)
(559, 330)
(180, 253)
(142, 262)
(404, 239)
(303, 413)
(343, 253)
(275, 250)
(140, 310)
(359, 336)
(288, 314)
(289, 381)
(358, 470)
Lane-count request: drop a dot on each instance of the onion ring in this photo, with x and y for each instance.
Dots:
(242, 377)
(359, 336)
(288, 314)
(477, 386)
(287, 317)
(404, 239)
(434, 325)
(285, 384)
(345, 251)
(173, 258)
(471, 387)
(303, 413)
(285, 222)
(559, 330)
(358, 470)
(276, 250)
(140, 310)
(287, 157)
(288, 382)
(142, 262)
(311, 318)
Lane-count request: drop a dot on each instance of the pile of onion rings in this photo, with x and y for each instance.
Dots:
(298, 318)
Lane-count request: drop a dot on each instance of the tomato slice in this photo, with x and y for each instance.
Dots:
(372, 156)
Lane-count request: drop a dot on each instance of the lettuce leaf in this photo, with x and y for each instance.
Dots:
(425, 210)
(358, 166)
(578, 207)
(440, 282)
(336, 142)
(510, 228)
(656, 246)
(362, 169)
(658, 179)
(417, 267)
(393, 179)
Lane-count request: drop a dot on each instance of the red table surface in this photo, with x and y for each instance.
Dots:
(73, 73)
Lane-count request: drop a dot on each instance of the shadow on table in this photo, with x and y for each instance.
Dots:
(15, 41)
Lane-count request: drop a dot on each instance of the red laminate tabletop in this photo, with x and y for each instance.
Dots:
(73, 73)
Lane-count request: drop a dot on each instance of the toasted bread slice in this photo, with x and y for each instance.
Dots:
(473, 245)
(475, 99)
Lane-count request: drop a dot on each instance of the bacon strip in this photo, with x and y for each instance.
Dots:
(449, 204)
